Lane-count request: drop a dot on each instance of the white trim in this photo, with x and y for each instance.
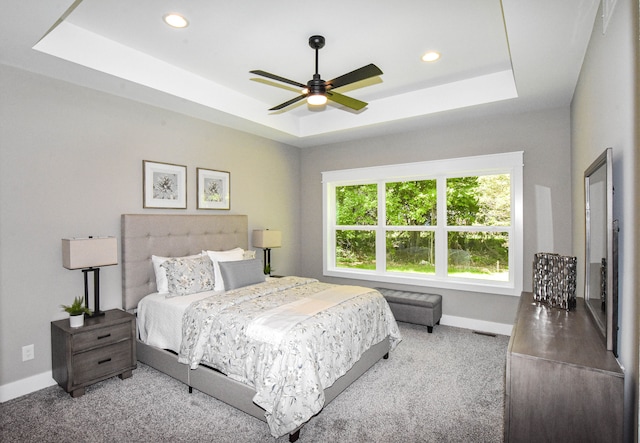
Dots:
(428, 281)
(44, 380)
(26, 386)
(511, 163)
(479, 164)
(476, 325)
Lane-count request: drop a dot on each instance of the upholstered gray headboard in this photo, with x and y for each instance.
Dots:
(171, 236)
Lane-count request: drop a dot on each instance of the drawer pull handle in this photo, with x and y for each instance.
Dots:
(100, 337)
(104, 361)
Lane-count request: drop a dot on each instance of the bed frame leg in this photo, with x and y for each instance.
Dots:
(190, 389)
(386, 356)
(294, 437)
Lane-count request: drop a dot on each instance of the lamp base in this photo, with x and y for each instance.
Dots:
(96, 292)
(267, 261)
(95, 314)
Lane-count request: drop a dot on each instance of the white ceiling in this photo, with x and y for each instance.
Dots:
(497, 57)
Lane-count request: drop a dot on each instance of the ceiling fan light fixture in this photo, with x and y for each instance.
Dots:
(175, 20)
(318, 91)
(431, 56)
(317, 99)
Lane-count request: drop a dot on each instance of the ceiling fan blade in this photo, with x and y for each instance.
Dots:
(363, 73)
(344, 100)
(278, 78)
(290, 102)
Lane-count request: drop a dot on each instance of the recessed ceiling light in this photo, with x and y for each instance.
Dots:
(176, 20)
(430, 56)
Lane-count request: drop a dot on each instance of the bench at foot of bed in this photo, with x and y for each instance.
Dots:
(414, 307)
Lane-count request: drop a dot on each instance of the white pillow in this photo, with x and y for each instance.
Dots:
(162, 284)
(218, 256)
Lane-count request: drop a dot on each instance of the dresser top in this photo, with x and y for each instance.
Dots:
(569, 337)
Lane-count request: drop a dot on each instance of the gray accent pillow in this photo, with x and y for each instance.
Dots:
(237, 274)
(188, 275)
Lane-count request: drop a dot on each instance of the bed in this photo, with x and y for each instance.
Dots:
(192, 358)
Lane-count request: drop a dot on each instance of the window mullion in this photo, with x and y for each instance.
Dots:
(469, 237)
(381, 234)
(441, 230)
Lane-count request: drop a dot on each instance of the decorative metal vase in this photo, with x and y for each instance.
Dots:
(554, 280)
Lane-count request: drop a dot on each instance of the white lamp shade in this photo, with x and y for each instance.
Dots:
(82, 253)
(266, 238)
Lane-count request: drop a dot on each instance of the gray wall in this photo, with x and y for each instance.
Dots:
(71, 163)
(544, 138)
(604, 114)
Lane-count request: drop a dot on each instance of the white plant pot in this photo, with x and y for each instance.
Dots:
(75, 321)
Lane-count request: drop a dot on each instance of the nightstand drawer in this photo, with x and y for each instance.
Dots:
(104, 347)
(101, 337)
(99, 362)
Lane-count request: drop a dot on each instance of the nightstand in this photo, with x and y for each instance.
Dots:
(104, 347)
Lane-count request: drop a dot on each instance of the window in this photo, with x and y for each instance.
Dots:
(448, 223)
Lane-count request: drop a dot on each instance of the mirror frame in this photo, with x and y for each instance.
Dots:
(610, 327)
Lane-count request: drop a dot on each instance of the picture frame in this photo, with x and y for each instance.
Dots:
(214, 189)
(164, 185)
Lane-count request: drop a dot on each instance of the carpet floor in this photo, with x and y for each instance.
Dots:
(447, 386)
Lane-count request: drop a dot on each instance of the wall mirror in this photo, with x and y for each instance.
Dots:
(601, 249)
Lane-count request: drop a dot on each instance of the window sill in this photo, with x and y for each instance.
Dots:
(431, 282)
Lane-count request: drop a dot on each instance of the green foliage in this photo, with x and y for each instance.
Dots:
(482, 251)
(471, 201)
(77, 307)
(462, 201)
(494, 200)
(355, 247)
(357, 205)
(411, 203)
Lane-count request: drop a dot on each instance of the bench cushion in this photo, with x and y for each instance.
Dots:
(414, 307)
(411, 298)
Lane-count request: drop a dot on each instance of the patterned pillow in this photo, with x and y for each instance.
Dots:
(161, 275)
(188, 275)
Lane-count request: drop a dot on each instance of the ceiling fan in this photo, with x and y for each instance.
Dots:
(317, 91)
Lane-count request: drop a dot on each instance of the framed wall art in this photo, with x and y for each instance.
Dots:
(164, 185)
(213, 189)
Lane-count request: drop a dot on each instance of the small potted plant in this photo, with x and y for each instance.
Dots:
(76, 312)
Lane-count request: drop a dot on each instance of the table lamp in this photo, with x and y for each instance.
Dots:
(267, 239)
(89, 254)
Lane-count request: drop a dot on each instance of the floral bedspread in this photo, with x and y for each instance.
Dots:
(289, 377)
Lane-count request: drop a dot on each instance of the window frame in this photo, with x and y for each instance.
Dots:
(507, 163)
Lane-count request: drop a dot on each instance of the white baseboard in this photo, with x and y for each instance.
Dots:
(476, 325)
(44, 380)
(26, 386)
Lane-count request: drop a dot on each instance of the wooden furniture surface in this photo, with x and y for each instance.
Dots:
(104, 347)
(561, 382)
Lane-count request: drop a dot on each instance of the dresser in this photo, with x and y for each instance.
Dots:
(562, 385)
(104, 347)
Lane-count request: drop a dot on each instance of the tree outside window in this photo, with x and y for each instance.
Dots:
(447, 227)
